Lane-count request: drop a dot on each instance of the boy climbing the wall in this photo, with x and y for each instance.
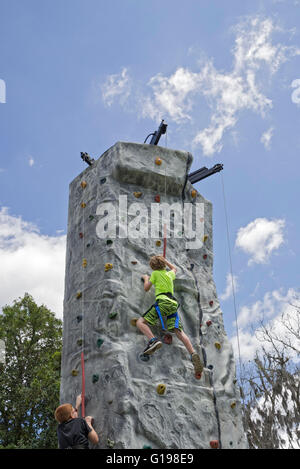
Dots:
(164, 309)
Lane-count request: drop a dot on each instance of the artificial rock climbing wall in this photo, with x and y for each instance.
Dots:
(112, 232)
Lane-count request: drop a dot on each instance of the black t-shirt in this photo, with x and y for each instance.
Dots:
(72, 433)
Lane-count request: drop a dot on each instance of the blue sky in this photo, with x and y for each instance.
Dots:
(80, 76)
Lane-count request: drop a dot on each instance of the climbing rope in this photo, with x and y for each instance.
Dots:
(82, 325)
(232, 281)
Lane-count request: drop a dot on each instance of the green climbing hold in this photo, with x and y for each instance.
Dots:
(113, 314)
(91, 217)
(109, 242)
(147, 447)
(110, 443)
(99, 342)
(79, 342)
(95, 378)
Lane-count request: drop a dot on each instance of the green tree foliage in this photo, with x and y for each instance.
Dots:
(30, 375)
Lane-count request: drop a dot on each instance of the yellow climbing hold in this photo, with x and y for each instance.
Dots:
(158, 243)
(74, 372)
(83, 205)
(158, 161)
(133, 322)
(137, 194)
(83, 184)
(161, 388)
(84, 263)
(218, 345)
(108, 267)
(78, 295)
(232, 405)
(194, 193)
(205, 238)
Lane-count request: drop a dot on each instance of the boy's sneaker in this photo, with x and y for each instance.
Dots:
(153, 345)
(198, 366)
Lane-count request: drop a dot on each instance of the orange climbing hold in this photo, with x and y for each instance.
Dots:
(137, 194)
(84, 263)
(83, 184)
(108, 267)
(83, 205)
(194, 193)
(158, 161)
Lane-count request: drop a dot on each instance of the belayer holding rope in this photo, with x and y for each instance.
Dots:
(165, 310)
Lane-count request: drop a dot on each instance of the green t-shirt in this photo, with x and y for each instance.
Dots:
(163, 282)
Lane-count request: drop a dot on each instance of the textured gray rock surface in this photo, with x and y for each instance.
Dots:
(120, 387)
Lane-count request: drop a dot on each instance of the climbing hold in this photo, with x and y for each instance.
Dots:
(91, 217)
(147, 447)
(133, 322)
(158, 161)
(102, 181)
(83, 205)
(210, 367)
(79, 318)
(88, 245)
(233, 404)
(113, 314)
(109, 242)
(214, 444)
(137, 194)
(161, 388)
(80, 235)
(194, 193)
(108, 267)
(218, 345)
(78, 295)
(74, 372)
(99, 342)
(157, 198)
(192, 266)
(158, 243)
(79, 342)
(205, 238)
(211, 303)
(208, 323)
(95, 378)
(83, 184)
(167, 339)
(133, 262)
(110, 443)
(204, 256)
(84, 263)
(144, 358)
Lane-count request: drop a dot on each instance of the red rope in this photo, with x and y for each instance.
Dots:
(82, 386)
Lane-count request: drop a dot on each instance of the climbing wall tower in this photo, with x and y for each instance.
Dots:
(112, 232)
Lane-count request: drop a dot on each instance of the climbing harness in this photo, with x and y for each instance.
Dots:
(174, 315)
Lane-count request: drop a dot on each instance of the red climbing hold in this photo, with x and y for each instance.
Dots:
(157, 198)
(211, 303)
(204, 256)
(81, 235)
(208, 323)
(214, 444)
(167, 339)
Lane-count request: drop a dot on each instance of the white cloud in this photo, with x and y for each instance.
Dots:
(255, 60)
(31, 161)
(260, 238)
(116, 86)
(275, 309)
(31, 262)
(267, 137)
(229, 288)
